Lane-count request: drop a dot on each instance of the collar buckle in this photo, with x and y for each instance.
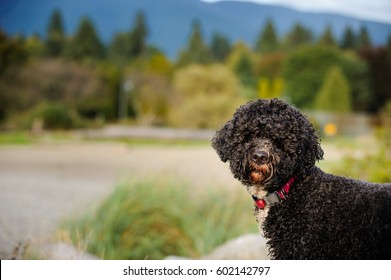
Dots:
(275, 197)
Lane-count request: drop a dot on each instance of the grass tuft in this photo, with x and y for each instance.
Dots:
(154, 219)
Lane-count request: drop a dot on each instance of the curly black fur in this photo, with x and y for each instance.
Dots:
(266, 143)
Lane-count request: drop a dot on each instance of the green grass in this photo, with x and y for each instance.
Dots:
(26, 138)
(16, 138)
(373, 165)
(154, 219)
(373, 168)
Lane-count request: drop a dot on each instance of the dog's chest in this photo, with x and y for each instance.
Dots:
(261, 216)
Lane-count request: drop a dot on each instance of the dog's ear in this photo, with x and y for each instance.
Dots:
(311, 149)
(221, 141)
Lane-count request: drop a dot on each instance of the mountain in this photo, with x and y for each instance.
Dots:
(169, 21)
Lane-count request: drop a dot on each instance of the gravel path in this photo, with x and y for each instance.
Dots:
(42, 184)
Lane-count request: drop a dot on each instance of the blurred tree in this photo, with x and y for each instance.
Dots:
(238, 50)
(55, 37)
(379, 63)
(196, 50)
(85, 43)
(327, 38)
(206, 96)
(12, 51)
(334, 94)
(220, 47)
(150, 98)
(158, 63)
(356, 71)
(34, 46)
(363, 39)
(349, 40)
(111, 76)
(76, 86)
(138, 35)
(299, 35)
(119, 49)
(12, 54)
(267, 40)
(244, 69)
(304, 71)
(270, 65)
(126, 46)
(270, 88)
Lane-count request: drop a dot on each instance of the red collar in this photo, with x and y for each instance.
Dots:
(275, 197)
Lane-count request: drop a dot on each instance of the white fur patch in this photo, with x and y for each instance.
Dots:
(260, 214)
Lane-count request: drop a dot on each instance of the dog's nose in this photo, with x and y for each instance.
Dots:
(260, 157)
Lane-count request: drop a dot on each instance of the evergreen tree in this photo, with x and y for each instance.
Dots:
(138, 36)
(299, 35)
(220, 47)
(86, 42)
(34, 46)
(378, 61)
(327, 38)
(196, 51)
(12, 51)
(119, 49)
(130, 44)
(244, 70)
(267, 41)
(304, 71)
(334, 94)
(349, 40)
(55, 38)
(364, 40)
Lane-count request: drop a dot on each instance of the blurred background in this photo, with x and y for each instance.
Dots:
(107, 109)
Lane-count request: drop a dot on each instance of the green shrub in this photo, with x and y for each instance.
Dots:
(373, 168)
(55, 116)
(154, 219)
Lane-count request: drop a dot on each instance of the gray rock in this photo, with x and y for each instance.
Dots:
(62, 251)
(245, 247)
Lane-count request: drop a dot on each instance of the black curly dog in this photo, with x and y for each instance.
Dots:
(303, 212)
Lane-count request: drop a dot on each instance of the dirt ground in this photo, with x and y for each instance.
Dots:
(42, 184)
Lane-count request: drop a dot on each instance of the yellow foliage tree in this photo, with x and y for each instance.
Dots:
(207, 95)
(270, 88)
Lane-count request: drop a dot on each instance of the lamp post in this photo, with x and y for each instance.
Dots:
(123, 97)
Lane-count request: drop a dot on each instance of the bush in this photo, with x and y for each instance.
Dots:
(55, 116)
(90, 90)
(150, 220)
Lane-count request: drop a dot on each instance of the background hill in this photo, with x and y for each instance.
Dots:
(169, 21)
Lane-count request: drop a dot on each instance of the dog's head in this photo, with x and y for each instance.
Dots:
(267, 142)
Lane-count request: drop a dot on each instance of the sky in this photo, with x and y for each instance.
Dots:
(378, 10)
